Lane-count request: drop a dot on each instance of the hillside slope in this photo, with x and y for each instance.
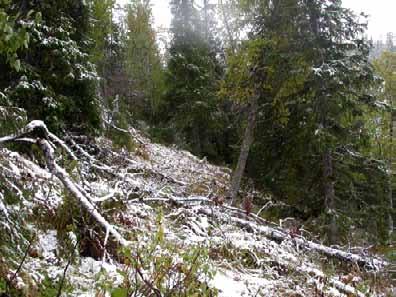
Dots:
(178, 237)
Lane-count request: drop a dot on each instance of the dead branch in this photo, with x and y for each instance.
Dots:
(39, 129)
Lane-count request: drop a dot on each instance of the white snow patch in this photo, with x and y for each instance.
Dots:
(238, 284)
(48, 243)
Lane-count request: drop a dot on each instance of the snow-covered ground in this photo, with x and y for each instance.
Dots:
(130, 189)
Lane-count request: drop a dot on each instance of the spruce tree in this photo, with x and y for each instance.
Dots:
(310, 74)
(383, 123)
(143, 63)
(56, 82)
(101, 32)
(13, 37)
(192, 81)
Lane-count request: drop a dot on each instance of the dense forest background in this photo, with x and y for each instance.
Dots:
(289, 93)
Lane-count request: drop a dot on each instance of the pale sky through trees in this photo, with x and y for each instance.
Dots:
(381, 15)
(382, 18)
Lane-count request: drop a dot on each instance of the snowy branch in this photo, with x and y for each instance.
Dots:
(38, 128)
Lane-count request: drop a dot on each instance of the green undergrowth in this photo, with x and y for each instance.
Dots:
(155, 265)
(152, 265)
(245, 258)
(15, 234)
(121, 140)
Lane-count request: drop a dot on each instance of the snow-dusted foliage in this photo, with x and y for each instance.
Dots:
(165, 204)
(55, 80)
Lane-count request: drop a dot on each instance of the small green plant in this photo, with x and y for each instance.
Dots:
(50, 287)
(163, 268)
(364, 287)
(3, 286)
(121, 139)
(7, 290)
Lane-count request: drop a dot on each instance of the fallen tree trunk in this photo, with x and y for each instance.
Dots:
(279, 235)
(368, 263)
(259, 225)
(61, 174)
(38, 128)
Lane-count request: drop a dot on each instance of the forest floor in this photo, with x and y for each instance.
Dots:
(168, 206)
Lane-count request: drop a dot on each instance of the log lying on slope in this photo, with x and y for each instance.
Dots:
(277, 234)
(111, 171)
(37, 132)
(259, 225)
(368, 263)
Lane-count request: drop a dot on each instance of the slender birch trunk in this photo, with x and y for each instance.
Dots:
(244, 153)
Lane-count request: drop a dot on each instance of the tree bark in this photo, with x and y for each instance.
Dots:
(329, 195)
(390, 214)
(206, 19)
(391, 169)
(244, 153)
(197, 145)
(73, 189)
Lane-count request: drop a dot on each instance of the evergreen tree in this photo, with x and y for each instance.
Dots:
(383, 124)
(142, 61)
(13, 37)
(106, 51)
(56, 83)
(261, 75)
(192, 82)
(340, 87)
(309, 72)
(101, 33)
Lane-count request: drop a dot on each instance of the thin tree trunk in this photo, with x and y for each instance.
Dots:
(196, 140)
(329, 195)
(390, 215)
(244, 153)
(228, 28)
(206, 19)
(390, 218)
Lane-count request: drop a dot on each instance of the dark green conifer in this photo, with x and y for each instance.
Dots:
(56, 82)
